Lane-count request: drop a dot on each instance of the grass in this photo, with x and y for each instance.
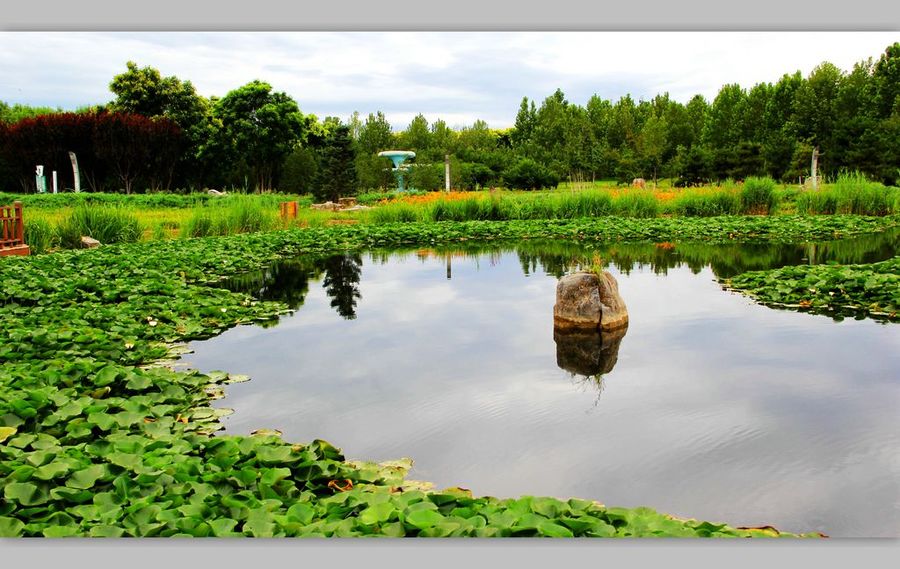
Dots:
(706, 202)
(758, 196)
(163, 216)
(107, 224)
(851, 193)
(241, 215)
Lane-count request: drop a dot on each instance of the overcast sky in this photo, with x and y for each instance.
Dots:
(457, 76)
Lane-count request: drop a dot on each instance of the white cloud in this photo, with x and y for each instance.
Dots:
(458, 76)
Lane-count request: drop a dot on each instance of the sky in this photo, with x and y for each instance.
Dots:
(456, 76)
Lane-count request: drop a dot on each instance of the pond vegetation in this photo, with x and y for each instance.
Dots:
(99, 439)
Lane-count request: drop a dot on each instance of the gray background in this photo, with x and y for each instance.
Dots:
(448, 15)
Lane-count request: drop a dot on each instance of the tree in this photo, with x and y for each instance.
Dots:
(417, 137)
(652, 142)
(886, 77)
(144, 91)
(261, 126)
(374, 136)
(814, 107)
(338, 172)
(524, 126)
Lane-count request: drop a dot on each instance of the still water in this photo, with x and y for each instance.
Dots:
(710, 406)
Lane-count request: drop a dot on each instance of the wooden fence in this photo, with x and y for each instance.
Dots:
(12, 230)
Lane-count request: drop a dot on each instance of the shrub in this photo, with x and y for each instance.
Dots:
(706, 202)
(527, 174)
(106, 224)
(850, 193)
(240, 214)
(758, 195)
(40, 235)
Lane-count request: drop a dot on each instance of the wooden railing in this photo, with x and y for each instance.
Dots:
(12, 230)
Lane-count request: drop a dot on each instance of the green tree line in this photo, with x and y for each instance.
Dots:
(255, 138)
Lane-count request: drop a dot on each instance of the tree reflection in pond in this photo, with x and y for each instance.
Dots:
(288, 282)
(341, 283)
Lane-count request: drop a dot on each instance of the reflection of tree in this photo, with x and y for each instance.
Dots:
(287, 282)
(341, 282)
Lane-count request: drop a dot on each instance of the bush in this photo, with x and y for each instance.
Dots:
(40, 235)
(106, 224)
(527, 174)
(706, 202)
(397, 212)
(241, 214)
(850, 193)
(759, 195)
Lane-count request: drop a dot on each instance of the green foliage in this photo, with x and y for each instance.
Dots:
(758, 195)
(15, 113)
(40, 236)
(527, 174)
(107, 224)
(338, 170)
(241, 214)
(872, 289)
(850, 193)
(142, 201)
(94, 441)
(637, 203)
(260, 127)
(706, 202)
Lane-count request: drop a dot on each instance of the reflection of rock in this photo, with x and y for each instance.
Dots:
(586, 301)
(588, 352)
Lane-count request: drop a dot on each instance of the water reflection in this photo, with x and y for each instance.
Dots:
(341, 283)
(716, 407)
(288, 280)
(588, 353)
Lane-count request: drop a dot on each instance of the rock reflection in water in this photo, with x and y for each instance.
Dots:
(588, 353)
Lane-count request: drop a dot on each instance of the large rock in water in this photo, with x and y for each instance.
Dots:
(588, 301)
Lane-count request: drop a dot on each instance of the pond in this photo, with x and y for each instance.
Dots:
(710, 406)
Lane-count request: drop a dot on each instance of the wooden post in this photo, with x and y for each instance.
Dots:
(20, 222)
(289, 210)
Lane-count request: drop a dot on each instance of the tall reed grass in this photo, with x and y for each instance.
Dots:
(759, 195)
(40, 235)
(850, 193)
(242, 214)
(706, 202)
(105, 223)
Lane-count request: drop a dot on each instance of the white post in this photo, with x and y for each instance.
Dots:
(75, 171)
(815, 163)
(55, 190)
(447, 172)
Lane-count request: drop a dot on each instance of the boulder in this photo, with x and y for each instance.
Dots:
(89, 242)
(588, 301)
(638, 183)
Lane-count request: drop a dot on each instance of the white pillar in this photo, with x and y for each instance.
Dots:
(447, 172)
(55, 190)
(75, 171)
